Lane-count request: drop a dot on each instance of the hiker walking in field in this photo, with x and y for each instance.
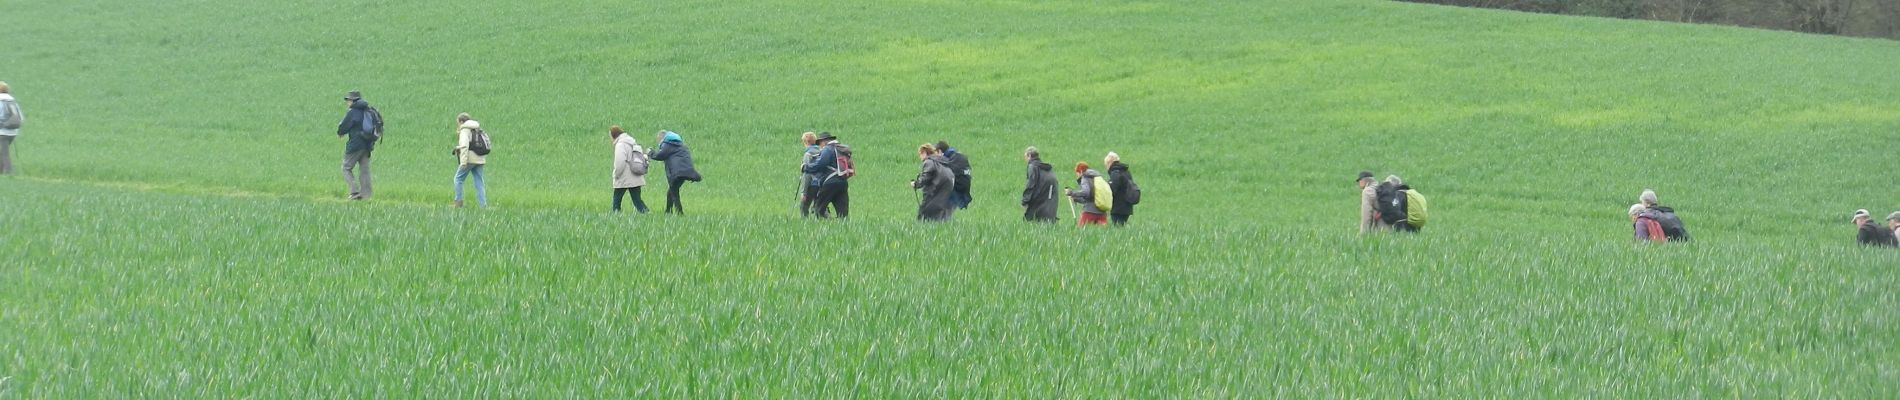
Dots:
(808, 181)
(960, 167)
(1369, 205)
(1872, 234)
(630, 169)
(1671, 224)
(1122, 183)
(10, 121)
(831, 173)
(937, 182)
(361, 127)
(679, 168)
(471, 151)
(1646, 229)
(1039, 189)
(1093, 193)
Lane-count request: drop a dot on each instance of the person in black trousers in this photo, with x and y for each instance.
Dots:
(679, 168)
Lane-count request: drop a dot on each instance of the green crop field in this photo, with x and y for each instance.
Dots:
(178, 229)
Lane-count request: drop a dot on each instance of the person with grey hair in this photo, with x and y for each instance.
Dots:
(1369, 204)
(1671, 224)
(1039, 188)
(1872, 234)
(10, 121)
(1121, 185)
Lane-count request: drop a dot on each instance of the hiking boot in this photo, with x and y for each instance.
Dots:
(458, 204)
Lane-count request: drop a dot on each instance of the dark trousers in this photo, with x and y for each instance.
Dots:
(1118, 219)
(1403, 226)
(6, 155)
(836, 198)
(673, 196)
(632, 193)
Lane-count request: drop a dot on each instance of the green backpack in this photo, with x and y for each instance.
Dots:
(1415, 208)
(1104, 197)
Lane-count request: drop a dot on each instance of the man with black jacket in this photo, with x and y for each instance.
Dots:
(960, 167)
(1039, 189)
(1122, 184)
(358, 128)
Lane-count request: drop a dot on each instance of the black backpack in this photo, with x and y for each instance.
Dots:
(1671, 225)
(1391, 203)
(373, 124)
(1134, 191)
(478, 142)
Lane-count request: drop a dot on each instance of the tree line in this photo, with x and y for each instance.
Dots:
(1864, 18)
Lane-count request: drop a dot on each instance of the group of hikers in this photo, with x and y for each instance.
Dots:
(942, 184)
(944, 178)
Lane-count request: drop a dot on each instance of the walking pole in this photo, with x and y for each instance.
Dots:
(1072, 215)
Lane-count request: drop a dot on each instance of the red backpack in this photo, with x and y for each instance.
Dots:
(844, 169)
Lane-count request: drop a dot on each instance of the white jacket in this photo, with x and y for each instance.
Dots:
(6, 100)
(461, 143)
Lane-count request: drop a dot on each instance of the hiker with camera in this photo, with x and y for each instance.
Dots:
(471, 152)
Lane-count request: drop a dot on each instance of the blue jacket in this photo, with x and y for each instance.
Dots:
(352, 125)
(678, 161)
(825, 166)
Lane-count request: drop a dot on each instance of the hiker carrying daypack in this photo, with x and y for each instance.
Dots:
(478, 142)
(1104, 196)
(843, 169)
(1395, 206)
(1671, 224)
(373, 124)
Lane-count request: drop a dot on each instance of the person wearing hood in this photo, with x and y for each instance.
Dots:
(10, 120)
(1872, 234)
(937, 182)
(960, 167)
(356, 129)
(1084, 194)
(468, 163)
(1039, 189)
(1122, 185)
(830, 182)
(679, 168)
(630, 169)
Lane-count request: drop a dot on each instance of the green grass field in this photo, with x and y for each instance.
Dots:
(177, 229)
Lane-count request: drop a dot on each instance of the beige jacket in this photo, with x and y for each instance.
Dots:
(461, 144)
(1368, 215)
(630, 163)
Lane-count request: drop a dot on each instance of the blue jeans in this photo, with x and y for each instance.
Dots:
(481, 191)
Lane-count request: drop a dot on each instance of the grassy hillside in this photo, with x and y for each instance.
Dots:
(179, 233)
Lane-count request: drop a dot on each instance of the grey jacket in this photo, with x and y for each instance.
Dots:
(1085, 192)
(8, 106)
(937, 182)
(1039, 192)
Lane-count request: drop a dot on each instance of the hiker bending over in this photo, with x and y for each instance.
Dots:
(1671, 224)
(679, 168)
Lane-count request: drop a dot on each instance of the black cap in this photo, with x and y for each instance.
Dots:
(1363, 175)
(354, 95)
(823, 136)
